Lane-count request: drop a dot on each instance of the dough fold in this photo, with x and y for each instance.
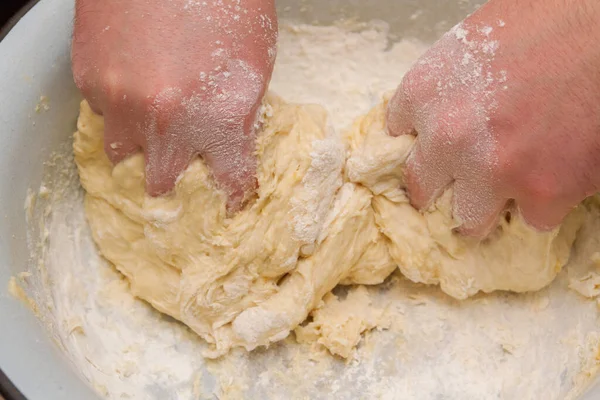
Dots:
(315, 222)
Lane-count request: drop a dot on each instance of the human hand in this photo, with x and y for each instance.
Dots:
(506, 107)
(176, 79)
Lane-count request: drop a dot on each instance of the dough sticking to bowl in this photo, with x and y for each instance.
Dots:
(251, 279)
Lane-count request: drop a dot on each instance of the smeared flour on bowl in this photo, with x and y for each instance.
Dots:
(539, 345)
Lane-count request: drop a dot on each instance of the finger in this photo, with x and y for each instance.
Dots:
(83, 83)
(418, 88)
(477, 207)
(541, 197)
(399, 116)
(426, 178)
(545, 216)
(234, 169)
(94, 104)
(118, 138)
(166, 159)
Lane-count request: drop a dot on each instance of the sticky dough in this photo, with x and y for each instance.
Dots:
(328, 210)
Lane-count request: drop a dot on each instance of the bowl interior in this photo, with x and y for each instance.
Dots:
(38, 109)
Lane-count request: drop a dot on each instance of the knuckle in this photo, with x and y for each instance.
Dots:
(457, 129)
(243, 86)
(111, 83)
(411, 86)
(82, 74)
(450, 131)
(418, 81)
(401, 101)
(540, 189)
(162, 96)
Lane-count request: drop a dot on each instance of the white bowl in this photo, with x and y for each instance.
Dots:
(34, 62)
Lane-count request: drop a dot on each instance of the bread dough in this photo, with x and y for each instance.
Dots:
(247, 280)
(514, 257)
(338, 324)
(314, 223)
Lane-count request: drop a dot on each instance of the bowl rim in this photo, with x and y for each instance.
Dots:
(12, 21)
(7, 389)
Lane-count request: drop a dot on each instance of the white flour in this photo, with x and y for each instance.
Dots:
(321, 182)
(534, 346)
(345, 69)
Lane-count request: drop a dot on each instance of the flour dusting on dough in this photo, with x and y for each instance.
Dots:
(321, 182)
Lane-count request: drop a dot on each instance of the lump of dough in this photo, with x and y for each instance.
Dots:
(250, 279)
(515, 257)
(338, 325)
(317, 221)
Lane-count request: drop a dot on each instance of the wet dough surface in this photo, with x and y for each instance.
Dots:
(329, 210)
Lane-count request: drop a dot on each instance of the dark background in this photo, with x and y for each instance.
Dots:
(8, 8)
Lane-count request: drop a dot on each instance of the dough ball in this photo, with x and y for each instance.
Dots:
(515, 257)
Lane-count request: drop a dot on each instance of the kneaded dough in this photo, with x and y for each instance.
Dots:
(514, 257)
(328, 210)
(247, 280)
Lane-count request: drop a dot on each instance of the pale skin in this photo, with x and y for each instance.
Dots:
(537, 143)
(176, 79)
(527, 137)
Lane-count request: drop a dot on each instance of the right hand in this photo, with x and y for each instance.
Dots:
(506, 106)
(176, 79)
